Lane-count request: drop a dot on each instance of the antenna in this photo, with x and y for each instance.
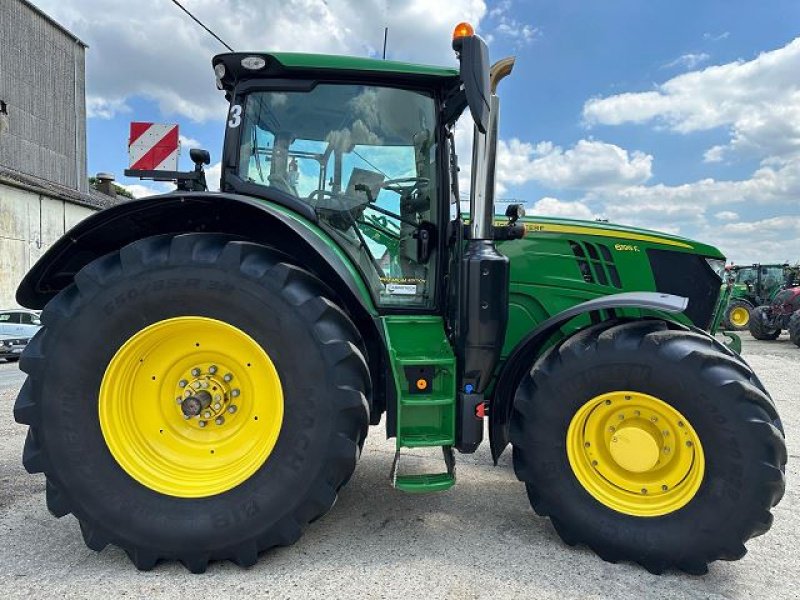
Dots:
(199, 22)
(385, 35)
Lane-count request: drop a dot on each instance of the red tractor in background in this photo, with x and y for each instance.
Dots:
(782, 313)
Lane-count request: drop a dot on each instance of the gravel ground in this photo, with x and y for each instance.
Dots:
(479, 539)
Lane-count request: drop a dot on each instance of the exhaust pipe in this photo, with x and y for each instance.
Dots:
(484, 159)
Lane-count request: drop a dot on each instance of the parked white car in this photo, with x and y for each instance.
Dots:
(19, 322)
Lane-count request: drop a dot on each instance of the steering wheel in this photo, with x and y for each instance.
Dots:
(395, 185)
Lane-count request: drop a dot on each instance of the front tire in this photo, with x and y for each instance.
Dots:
(737, 315)
(758, 325)
(136, 477)
(705, 451)
(794, 327)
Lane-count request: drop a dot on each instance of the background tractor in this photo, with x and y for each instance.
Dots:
(755, 285)
(783, 313)
(210, 363)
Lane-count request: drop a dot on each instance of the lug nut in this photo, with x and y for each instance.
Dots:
(219, 420)
(197, 385)
(195, 372)
(235, 393)
(179, 400)
(654, 419)
(201, 423)
(644, 490)
(232, 408)
(622, 417)
(228, 377)
(217, 397)
(217, 406)
(664, 488)
(183, 383)
(212, 369)
(689, 444)
(207, 415)
(612, 429)
(666, 450)
(608, 402)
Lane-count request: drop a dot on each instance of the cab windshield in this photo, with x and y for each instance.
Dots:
(364, 158)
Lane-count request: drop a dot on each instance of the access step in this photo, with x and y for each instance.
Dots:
(424, 483)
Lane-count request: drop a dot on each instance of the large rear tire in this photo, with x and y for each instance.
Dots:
(794, 327)
(758, 326)
(113, 440)
(649, 444)
(737, 315)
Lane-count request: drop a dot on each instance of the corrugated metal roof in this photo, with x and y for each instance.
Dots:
(93, 199)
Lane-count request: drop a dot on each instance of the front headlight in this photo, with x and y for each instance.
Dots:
(718, 266)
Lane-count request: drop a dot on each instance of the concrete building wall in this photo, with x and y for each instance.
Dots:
(42, 76)
(29, 224)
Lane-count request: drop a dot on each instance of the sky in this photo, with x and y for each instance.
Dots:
(675, 115)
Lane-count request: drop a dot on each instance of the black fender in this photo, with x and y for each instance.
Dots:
(185, 212)
(524, 354)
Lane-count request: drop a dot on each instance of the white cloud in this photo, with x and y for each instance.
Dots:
(553, 207)
(507, 26)
(150, 48)
(213, 175)
(589, 164)
(187, 143)
(727, 215)
(711, 37)
(141, 191)
(688, 61)
(758, 101)
(104, 108)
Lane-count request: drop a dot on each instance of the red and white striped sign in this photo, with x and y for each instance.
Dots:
(153, 146)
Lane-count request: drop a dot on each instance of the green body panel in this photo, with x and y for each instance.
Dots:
(739, 292)
(423, 419)
(546, 278)
(296, 60)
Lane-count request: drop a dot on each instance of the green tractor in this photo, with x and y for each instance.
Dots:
(752, 286)
(210, 363)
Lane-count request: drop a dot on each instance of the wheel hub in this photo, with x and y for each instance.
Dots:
(205, 395)
(740, 316)
(635, 449)
(635, 453)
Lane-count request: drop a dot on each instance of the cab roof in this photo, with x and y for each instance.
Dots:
(293, 65)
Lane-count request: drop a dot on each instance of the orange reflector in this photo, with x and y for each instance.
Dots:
(463, 30)
(422, 384)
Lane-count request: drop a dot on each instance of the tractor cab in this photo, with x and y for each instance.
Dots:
(364, 158)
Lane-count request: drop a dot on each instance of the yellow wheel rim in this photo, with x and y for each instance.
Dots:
(191, 364)
(635, 454)
(740, 316)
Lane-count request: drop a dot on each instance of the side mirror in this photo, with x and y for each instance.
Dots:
(473, 56)
(515, 212)
(199, 157)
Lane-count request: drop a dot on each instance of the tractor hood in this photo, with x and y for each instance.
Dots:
(618, 233)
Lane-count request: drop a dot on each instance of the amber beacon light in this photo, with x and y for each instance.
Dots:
(463, 30)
